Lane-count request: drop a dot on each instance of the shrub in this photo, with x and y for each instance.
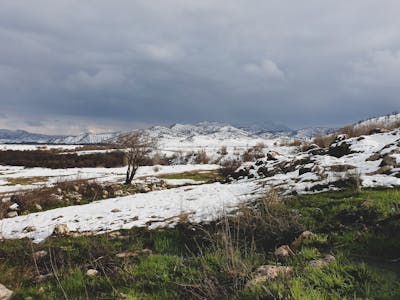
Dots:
(201, 157)
(254, 153)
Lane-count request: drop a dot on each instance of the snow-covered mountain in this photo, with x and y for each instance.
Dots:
(182, 133)
(22, 136)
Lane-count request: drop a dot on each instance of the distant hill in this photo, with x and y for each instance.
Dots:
(176, 132)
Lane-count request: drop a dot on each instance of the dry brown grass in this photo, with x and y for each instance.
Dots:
(355, 131)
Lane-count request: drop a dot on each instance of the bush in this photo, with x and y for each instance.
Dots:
(254, 153)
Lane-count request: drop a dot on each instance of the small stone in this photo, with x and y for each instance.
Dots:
(126, 254)
(283, 251)
(267, 273)
(61, 229)
(40, 254)
(12, 214)
(319, 263)
(38, 207)
(41, 278)
(6, 199)
(13, 207)
(119, 193)
(5, 293)
(305, 235)
(92, 272)
(29, 229)
(115, 210)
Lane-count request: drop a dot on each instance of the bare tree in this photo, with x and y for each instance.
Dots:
(137, 145)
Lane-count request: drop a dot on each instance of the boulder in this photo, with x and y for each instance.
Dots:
(61, 229)
(5, 293)
(339, 149)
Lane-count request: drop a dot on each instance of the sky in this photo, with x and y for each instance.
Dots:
(70, 66)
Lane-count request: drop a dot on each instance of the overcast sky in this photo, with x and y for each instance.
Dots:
(69, 66)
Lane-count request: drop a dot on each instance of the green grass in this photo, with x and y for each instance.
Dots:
(216, 261)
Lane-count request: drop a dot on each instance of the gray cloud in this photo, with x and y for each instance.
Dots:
(122, 64)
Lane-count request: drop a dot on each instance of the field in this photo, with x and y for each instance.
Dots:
(218, 261)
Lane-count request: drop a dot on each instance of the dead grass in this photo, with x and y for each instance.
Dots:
(355, 131)
(26, 180)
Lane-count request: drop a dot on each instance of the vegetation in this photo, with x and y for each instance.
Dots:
(206, 176)
(138, 146)
(55, 160)
(217, 261)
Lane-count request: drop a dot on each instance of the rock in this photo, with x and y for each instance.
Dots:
(339, 149)
(40, 254)
(272, 155)
(374, 157)
(341, 168)
(388, 160)
(5, 199)
(29, 229)
(305, 235)
(382, 170)
(41, 278)
(283, 251)
(144, 251)
(119, 193)
(12, 214)
(114, 234)
(269, 272)
(76, 188)
(5, 293)
(115, 210)
(59, 191)
(13, 207)
(126, 254)
(61, 229)
(319, 263)
(38, 207)
(92, 272)
(304, 170)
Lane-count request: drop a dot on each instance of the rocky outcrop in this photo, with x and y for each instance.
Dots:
(5, 293)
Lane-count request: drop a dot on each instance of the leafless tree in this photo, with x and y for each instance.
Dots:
(138, 145)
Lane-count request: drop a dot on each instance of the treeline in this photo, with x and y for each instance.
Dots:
(50, 159)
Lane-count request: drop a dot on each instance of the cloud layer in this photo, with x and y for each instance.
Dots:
(70, 65)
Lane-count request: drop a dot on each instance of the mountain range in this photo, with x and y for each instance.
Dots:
(214, 130)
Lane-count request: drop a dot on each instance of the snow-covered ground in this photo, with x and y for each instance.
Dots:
(109, 175)
(374, 159)
(202, 203)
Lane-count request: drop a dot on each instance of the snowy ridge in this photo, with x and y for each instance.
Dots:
(380, 121)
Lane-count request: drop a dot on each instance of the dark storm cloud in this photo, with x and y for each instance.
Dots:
(75, 65)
